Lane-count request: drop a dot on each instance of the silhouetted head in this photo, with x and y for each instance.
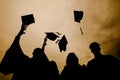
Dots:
(95, 48)
(37, 52)
(53, 64)
(72, 59)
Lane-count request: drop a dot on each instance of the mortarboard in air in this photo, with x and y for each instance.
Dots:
(28, 19)
(78, 15)
(52, 36)
(62, 44)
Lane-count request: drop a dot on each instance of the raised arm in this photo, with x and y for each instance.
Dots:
(14, 56)
(21, 32)
(44, 44)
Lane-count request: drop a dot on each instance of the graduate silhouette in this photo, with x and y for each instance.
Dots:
(73, 70)
(102, 66)
(23, 67)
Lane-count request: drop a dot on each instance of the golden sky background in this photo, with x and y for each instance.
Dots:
(100, 23)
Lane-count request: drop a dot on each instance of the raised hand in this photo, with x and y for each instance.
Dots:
(23, 28)
(45, 40)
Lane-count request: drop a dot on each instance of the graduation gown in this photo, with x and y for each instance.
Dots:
(14, 58)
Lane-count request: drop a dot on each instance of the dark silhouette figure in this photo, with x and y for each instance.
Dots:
(40, 64)
(23, 67)
(73, 70)
(14, 57)
(102, 66)
(54, 72)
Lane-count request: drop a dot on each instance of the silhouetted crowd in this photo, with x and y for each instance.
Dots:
(39, 67)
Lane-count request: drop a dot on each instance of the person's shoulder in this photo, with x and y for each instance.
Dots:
(109, 57)
(90, 62)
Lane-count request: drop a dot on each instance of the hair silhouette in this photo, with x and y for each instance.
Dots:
(54, 72)
(72, 59)
(73, 70)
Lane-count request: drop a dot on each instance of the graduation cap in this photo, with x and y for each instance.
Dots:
(27, 19)
(52, 36)
(62, 44)
(78, 15)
